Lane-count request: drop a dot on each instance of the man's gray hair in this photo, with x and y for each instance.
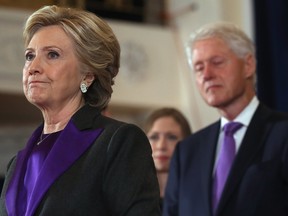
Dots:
(235, 38)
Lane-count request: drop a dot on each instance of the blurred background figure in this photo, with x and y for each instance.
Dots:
(165, 127)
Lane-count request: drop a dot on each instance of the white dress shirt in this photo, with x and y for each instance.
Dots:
(244, 117)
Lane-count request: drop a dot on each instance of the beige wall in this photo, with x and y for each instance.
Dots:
(25, 4)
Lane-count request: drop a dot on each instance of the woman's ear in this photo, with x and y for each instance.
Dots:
(88, 79)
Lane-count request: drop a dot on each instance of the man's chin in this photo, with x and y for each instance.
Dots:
(212, 103)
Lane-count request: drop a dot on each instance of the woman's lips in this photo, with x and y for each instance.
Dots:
(162, 158)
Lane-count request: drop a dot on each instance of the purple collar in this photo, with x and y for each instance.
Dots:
(71, 144)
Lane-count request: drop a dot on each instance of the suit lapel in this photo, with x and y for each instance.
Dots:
(200, 175)
(71, 144)
(208, 157)
(251, 146)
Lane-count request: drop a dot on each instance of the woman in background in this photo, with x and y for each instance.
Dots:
(77, 162)
(165, 127)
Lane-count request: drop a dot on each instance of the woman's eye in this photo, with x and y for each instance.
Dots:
(53, 55)
(29, 56)
(153, 137)
(172, 137)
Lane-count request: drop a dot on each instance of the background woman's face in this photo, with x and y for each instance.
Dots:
(51, 74)
(163, 136)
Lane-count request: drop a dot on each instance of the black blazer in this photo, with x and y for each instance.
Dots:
(112, 174)
(258, 181)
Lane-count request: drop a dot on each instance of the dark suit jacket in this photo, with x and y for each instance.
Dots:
(98, 166)
(258, 181)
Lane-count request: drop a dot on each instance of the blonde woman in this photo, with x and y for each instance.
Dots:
(77, 162)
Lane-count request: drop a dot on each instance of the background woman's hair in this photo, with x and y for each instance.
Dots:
(168, 112)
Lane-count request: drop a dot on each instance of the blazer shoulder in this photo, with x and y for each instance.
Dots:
(203, 137)
(108, 123)
(115, 129)
(90, 117)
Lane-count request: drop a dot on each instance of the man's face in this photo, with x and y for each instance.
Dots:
(221, 76)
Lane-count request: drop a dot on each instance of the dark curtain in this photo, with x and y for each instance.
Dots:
(271, 38)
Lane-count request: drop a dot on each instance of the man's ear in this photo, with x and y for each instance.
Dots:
(250, 65)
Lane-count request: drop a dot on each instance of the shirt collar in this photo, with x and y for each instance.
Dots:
(246, 115)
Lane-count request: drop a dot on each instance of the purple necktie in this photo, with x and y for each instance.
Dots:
(226, 157)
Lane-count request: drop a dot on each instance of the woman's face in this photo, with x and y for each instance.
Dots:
(164, 134)
(51, 76)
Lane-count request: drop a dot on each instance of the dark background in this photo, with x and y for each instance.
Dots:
(271, 37)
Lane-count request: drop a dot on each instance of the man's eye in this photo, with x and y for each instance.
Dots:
(29, 56)
(53, 55)
(198, 68)
(218, 61)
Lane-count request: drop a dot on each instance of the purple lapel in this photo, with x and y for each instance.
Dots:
(18, 175)
(70, 145)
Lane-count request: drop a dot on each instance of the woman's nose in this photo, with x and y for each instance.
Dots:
(161, 144)
(35, 66)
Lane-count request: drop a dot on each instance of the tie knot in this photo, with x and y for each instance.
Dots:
(231, 127)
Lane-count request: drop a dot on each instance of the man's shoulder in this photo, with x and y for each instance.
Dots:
(211, 128)
(272, 114)
(208, 132)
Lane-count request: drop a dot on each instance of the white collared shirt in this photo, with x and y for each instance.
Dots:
(244, 117)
